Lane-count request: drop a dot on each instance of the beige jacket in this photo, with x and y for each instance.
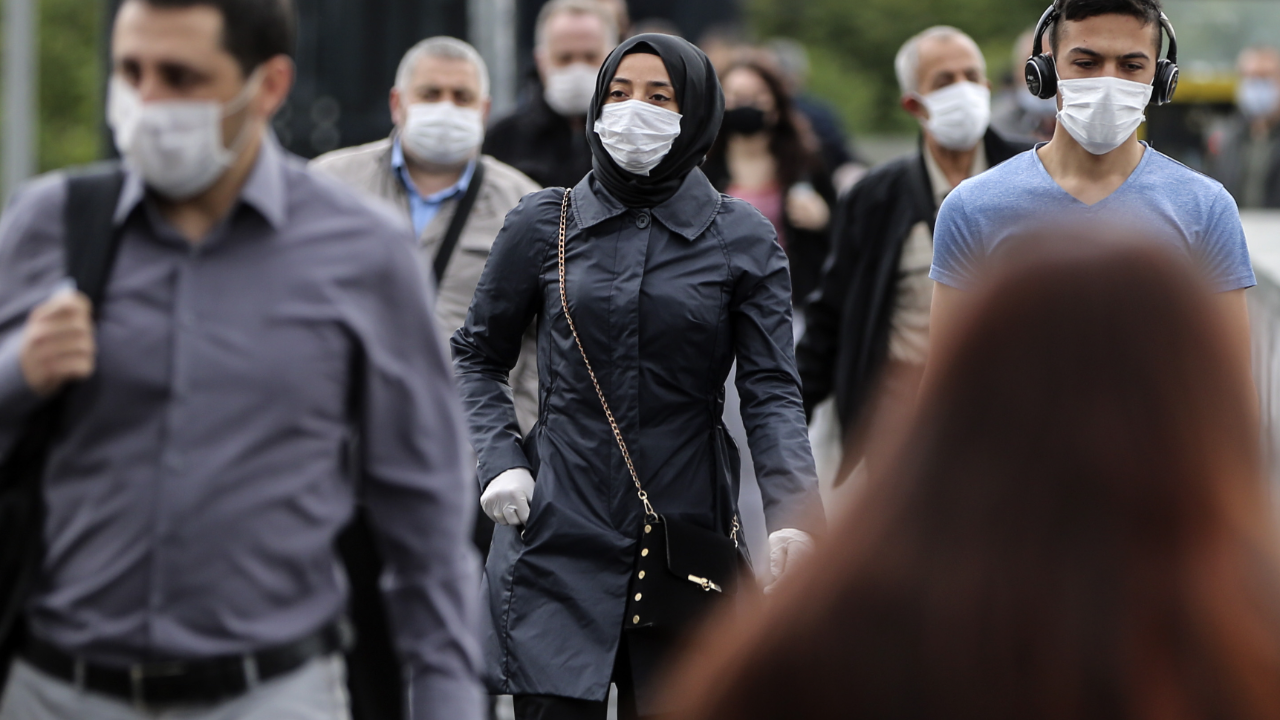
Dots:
(368, 168)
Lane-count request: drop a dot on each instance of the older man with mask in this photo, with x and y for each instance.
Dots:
(206, 454)
(1245, 154)
(546, 137)
(431, 169)
(868, 321)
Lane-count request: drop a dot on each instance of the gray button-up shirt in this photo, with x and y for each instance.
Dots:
(206, 468)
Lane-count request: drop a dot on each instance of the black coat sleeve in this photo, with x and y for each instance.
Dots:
(767, 382)
(487, 347)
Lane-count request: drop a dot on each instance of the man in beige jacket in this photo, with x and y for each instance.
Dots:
(440, 104)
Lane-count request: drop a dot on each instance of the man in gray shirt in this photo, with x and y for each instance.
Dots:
(257, 321)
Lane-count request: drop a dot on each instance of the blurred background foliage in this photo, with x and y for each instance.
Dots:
(852, 44)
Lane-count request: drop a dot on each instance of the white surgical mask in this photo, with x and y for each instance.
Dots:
(175, 145)
(636, 134)
(442, 133)
(570, 89)
(1101, 113)
(1257, 97)
(958, 115)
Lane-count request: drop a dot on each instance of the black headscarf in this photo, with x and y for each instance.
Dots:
(696, 89)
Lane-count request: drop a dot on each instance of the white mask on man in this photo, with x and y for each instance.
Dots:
(1102, 112)
(175, 145)
(442, 133)
(637, 134)
(959, 115)
(570, 89)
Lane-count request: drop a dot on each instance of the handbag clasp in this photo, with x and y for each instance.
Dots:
(706, 584)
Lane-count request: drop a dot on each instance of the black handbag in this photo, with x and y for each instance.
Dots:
(682, 570)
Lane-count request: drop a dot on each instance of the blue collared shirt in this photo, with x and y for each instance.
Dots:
(423, 209)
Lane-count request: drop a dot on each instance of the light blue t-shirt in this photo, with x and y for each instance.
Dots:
(1163, 198)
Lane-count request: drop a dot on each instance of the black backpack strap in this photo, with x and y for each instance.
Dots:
(459, 221)
(91, 239)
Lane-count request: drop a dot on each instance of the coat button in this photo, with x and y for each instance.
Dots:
(644, 552)
(642, 220)
(635, 620)
(648, 529)
(641, 574)
(638, 596)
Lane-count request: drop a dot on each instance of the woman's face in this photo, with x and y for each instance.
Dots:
(743, 87)
(642, 76)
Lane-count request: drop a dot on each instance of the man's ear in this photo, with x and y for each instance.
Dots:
(396, 103)
(912, 105)
(541, 61)
(277, 80)
(486, 105)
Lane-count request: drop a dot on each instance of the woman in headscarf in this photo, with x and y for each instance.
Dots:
(667, 282)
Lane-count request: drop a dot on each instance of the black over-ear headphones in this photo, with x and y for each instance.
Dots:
(1042, 72)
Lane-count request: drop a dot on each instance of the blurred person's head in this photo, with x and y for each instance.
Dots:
(792, 60)
(621, 16)
(571, 40)
(724, 43)
(194, 85)
(1258, 94)
(758, 104)
(943, 79)
(1074, 526)
(440, 102)
(657, 25)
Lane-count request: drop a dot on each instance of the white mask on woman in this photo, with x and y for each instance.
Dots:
(442, 133)
(637, 134)
(1101, 113)
(959, 115)
(175, 145)
(570, 89)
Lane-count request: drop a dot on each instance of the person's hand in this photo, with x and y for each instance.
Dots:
(506, 500)
(806, 209)
(57, 343)
(787, 550)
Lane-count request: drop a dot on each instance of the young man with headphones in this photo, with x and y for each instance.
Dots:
(1103, 65)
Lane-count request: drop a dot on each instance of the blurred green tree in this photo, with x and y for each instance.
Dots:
(852, 44)
(71, 82)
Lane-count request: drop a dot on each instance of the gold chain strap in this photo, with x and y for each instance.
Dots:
(617, 433)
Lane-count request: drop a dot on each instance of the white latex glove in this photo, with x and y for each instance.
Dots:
(507, 498)
(787, 550)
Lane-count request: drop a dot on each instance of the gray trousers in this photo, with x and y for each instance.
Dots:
(316, 691)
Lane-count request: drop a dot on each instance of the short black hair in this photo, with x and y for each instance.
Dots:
(253, 31)
(1148, 11)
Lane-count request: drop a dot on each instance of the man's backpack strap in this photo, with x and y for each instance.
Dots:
(458, 222)
(90, 242)
(91, 239)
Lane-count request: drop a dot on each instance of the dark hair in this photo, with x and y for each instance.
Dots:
(793, 145)
(254, 31)
(1148, 11)
(1074, 527)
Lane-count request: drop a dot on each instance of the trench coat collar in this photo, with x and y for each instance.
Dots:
(688, 213)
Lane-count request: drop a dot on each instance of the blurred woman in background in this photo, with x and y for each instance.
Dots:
(1073, 528)
(767, 155)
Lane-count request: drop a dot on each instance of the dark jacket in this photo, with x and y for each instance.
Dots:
(665, 301)
(549, 148)
(806, 249)
(846, 337)
(1226, 162)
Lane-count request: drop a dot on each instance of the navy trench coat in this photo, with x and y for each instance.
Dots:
(664, 300)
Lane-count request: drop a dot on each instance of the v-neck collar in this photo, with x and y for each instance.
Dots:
(1146, 155)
